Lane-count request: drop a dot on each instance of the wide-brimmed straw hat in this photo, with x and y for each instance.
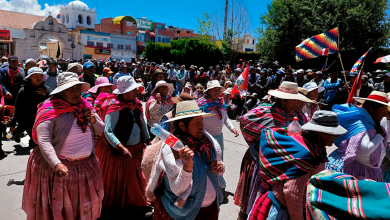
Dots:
(375, 96)
(66, 80)
(288, 90)
(325, 122)
(71, 65)
(159, 71)
(100, 82)
(163, 83)
(214, 84)
(126, 84)
(310, 86)
(188, 109)
(36, 70)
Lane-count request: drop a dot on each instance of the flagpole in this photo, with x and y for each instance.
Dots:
(338, 47)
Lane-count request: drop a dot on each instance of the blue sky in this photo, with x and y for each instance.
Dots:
(181, 13)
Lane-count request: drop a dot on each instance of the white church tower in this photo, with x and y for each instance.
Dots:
(77, 13)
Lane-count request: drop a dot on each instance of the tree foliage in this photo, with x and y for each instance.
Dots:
(362, 24)
(191, 51)
(157, 51)
(195, 51)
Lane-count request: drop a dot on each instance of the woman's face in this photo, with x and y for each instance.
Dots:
(130, 96)
(72, 95)
(195, 127)
(36, 79)
(163, 90)
(313, 95)
(214, 93)
(299, 105)
(105, 89)
(378, 113)
(290, 105)
(74, 69)
(326, 140)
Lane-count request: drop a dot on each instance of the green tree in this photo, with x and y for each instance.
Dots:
(362, 24)
(204, 26)
(195, 51)
(157, 51)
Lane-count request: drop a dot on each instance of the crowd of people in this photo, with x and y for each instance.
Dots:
(94, 152)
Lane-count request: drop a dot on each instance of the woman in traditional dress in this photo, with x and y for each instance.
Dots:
(278, 116)
(188, 188)
(361, 151)
(121, 148)
(159, 103)
(284, 181)
(63, 180)
(102, 84)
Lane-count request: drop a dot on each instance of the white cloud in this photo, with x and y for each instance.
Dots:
(29, 7)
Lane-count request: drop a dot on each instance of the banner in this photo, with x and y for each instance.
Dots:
(144, 24)
(5, 34)
(318, 45)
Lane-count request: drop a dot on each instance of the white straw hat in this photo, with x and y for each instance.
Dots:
(66, 80)
(310, 86)
(289, 90)
(36, 70)
(163, 83)
(214, 84)
(188, 109)
(126, 84)
(71, 65)
(375, 96)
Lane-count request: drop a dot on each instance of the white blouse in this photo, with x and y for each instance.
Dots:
(78, 144)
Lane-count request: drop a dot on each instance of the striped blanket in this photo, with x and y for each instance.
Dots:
(333, 195)
(260, 118)
(283, 157)
(90, 97)
(207, 105)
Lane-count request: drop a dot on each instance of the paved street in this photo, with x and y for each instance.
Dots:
(13, 167)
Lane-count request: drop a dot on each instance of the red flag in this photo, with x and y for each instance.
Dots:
(325, 52)
(102, 59)
(243, 81)
(235, 90)
(356, 87)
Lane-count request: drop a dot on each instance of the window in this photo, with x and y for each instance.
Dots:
(80, 19)
(141, 37)
(32, 34)
(120, 46)
(59, 30)
(247, 41)
(88, 20)
(161, 27)
(110, 45)
(67, 18)
(99, 44)
(42, 27)
(90, 43)
(70, 37)
(51, 22)
(188, 32)
(178, 32)
(159, 39)
(63, 19)
(253, 42)
(128, 47)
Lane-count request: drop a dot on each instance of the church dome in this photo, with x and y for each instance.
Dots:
(78, 5)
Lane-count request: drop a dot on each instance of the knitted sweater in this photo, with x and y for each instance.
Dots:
(135, 136)
(53, 133)
(292, 193)
(191, 197)
(213, 124)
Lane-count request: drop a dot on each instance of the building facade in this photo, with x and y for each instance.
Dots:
(245, 43)
(77, 13)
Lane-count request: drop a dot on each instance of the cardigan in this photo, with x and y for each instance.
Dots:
(53, 133)
(166, 161)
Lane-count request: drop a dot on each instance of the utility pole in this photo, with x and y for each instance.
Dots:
(225, 20)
